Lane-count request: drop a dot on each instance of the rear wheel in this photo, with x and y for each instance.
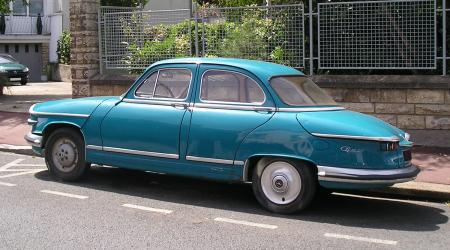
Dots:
(283, 185)
(65, 154)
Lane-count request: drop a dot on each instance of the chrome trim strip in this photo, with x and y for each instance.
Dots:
(58, 114)
(31, 121)
(31, 108)
(156, 102)
(351, 175)
(33, 139)
(234, 107)
(355, 137)
(138, 152)
(222, 102)
(209, 160)
(239, 163)
(366, 181)
(310, 109)
(94, 147)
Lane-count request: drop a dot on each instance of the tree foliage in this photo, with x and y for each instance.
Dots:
(63, 48)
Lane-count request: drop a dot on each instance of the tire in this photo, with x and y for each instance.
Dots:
(65, 155)
(284, 186)
(23, 82)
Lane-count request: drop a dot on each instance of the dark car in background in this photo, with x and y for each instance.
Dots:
(13, 70)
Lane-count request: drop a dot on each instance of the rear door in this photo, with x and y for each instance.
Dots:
(229, 104)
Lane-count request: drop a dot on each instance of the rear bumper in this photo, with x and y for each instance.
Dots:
(33, 140)
(367, 176)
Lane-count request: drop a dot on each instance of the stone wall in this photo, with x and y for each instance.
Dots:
(84, 58)
(417, 104)
(45, 60)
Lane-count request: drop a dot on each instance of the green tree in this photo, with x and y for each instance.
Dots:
(4, 5)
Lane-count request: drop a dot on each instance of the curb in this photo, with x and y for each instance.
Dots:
(408, 190)
(24, 150)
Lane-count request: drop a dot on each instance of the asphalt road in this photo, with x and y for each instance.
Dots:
(121, 209)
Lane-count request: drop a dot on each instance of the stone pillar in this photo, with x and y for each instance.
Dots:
(84, 57)
(45, 60)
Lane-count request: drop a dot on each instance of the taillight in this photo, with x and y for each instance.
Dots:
(389, 146)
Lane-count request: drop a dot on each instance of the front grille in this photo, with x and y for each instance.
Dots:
(407, 155)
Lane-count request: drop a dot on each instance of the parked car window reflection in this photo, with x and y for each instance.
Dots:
(227, 86)
(166, 83)
(300, 91)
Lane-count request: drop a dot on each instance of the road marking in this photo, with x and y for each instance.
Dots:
(21, 173)
(150, 209)
(65, 194)
(7, 184)
(371, 240)
(11, 164)
(23, 169)
(246, 223)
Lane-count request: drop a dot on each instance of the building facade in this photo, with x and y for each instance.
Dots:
(33, 42)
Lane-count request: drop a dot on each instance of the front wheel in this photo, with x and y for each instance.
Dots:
(283, 185)
(23, 81)
(65, 155)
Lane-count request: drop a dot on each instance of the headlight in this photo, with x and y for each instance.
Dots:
(26, 69)
(407, 136)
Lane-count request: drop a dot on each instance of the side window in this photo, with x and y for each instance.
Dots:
(166, 83)
(227, 86)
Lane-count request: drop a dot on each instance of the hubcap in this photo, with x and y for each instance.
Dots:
(65, 155)
(281, 182)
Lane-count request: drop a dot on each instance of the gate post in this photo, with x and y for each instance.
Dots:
(85, 54)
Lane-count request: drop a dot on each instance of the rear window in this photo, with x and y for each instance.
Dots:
(300, 91)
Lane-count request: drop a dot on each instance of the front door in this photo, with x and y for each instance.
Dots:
(147, 121)
(230, 104)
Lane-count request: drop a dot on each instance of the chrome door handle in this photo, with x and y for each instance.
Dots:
(263, 109)
(183, 105)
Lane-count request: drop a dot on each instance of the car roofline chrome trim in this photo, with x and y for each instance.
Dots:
(310, 109)
(156, 81)
(238, 103)
(354, 137)
(139, 152)
(209, 160)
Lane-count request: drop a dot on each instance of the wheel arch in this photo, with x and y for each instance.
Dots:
(51, 127)
(252, 161)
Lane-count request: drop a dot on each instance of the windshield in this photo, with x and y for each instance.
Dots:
(7, 59)
(300, 91)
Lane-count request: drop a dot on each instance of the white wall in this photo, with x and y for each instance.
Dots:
(167, 4)
(56, 28)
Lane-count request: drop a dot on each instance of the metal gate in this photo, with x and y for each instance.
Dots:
(133, 40)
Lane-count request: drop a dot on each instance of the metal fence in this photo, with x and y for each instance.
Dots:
(377, 35)
(269, 33)
(397, 34)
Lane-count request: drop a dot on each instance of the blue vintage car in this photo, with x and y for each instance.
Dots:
(225, 119)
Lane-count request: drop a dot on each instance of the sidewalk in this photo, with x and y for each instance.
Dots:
(433, 182)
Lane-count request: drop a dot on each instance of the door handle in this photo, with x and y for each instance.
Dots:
(263, 109)
(183, 105)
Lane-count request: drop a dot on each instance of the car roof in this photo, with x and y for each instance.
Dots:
(264, 70)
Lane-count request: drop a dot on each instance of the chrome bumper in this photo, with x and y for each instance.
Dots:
(33, 140)
(367, 176)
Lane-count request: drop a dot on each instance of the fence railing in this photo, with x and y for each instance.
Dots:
(25, 25)
(389, 35)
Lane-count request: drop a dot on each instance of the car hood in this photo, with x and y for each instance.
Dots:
(12, 66)
(80, 106)
(347, 123)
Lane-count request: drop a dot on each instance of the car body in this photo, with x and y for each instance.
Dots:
(11, 69)
(231, 120)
